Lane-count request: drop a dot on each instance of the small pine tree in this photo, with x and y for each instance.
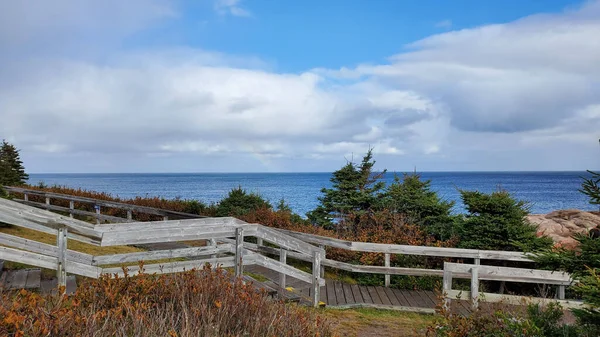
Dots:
(496, 221)
(12, 171)
(239, 202)
(419, 205)
(591, 188)
(356, 189)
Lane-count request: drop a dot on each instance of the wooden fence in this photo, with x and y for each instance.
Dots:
(226, 254)
(226, 236)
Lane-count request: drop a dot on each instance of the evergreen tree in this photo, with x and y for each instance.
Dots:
(239, 202)
(414, 199)
(356, 189)
(496, 221)
(12, 171)
(591, 188)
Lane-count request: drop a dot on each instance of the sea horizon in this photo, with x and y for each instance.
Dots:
(545, 191)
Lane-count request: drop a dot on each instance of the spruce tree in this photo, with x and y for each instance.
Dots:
(591, 188)
(419, 205)
(356, 189)
(497, 221)
(12, 171)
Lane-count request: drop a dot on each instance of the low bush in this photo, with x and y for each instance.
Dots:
(501, 320)
(195, 303)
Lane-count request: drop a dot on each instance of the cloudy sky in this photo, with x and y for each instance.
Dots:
(270, 86)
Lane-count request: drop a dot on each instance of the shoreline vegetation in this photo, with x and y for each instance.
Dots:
(361, 207)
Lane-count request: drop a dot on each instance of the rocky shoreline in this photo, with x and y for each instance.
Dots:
(561, 225)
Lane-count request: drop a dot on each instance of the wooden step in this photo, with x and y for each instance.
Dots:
(48, 286)
(22, 278)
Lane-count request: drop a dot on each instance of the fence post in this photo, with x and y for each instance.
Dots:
(322, 266)
(129, 215)
(239, 248)
(316, 270)
(47, 201)
(387, 264)
(282, 259)
(61, 268)
(561, 292)
(259, 242)
(166, 218)
(71, 208)
(25, 197)
(213, 243)
(447, 286)
(475, 286)
(97, 207)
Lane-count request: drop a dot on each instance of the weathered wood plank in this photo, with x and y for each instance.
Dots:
(409, 250)
(366, 295)
(273, 236)
(374, 295)
(383, 295)
(33, 279)
(460, 270)
(17, 279)
(390, 295)
(356, 293)
(386, 307)
(348, 293)
(401, 298)
(516, 300)
(283, 268)
(176, 267)
(330, 289)
(161, 254)
(339, 292)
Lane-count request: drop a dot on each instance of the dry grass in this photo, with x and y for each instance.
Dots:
(378, 323)
(195, 303)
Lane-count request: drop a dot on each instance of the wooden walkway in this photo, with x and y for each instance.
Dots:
(344, 295)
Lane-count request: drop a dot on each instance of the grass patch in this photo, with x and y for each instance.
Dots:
(370, 322)
(258, 277)
(72, 244)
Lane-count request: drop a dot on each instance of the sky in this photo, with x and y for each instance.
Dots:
(300, 86)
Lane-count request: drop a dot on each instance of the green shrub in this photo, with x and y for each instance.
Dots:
(496, 221)
(414, 199)
(239, 202)
(500, 321)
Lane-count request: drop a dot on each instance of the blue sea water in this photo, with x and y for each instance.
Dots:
(545, 191)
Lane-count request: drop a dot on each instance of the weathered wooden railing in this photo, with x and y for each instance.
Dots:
(228, 234)
(493, 273)
(223, 236)
(98, 205)
(474, 271)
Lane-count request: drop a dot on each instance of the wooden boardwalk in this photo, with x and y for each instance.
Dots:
(344, 295)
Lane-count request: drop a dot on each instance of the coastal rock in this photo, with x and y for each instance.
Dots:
(561, 225)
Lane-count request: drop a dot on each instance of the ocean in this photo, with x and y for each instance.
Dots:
(545, 191)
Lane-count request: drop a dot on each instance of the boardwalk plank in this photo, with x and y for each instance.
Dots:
(365, 294)
(357, 294)
(412, 300)
(426, 300)
(348, 294)
(391, 296)
(383, 296)
(331, 299)
(17, 279)
(374, 295)
(33, 278)
(339, 293)
(401, 298)
(323, 295)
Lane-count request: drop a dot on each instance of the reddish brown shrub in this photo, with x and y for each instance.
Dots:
(194, 303)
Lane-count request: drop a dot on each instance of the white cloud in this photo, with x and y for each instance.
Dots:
(492, 97)
(231, 7)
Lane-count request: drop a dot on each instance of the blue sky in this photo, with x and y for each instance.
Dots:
(279, 86)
